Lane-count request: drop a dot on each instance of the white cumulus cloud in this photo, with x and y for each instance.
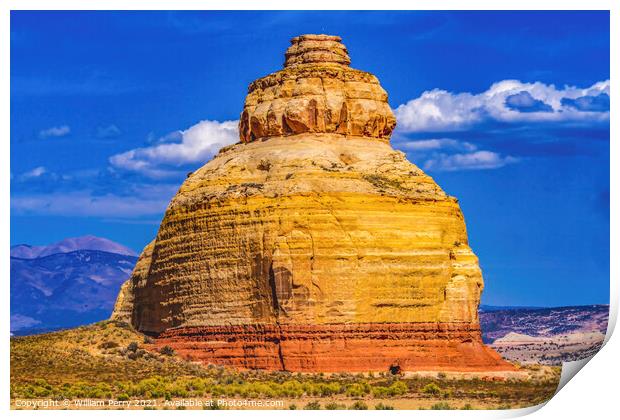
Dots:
(504, 101)
(197, 144)
(59, 131)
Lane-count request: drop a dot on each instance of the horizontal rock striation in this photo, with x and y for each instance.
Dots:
(312, 245)
(332, 347)
(316, 93)
(124, 306)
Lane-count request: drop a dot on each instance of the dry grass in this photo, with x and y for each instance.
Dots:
(108, 360)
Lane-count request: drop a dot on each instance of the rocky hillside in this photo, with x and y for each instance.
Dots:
(497, 322)
(545, 335)
(65, 289)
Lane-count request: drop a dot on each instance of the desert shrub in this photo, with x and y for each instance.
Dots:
(335, 406)
(292, 407)
(313, 405)
(109, 344)
(330, 388)
(467, 407)
(214, 406)
(380, 391)
(123, 397)
(441, 406)
(382, 406)
(132, 347)
(431, 389)
(398, 388)
(359, 405)
(264, 165)
(292, 388)
(357, 389)
(167, 351)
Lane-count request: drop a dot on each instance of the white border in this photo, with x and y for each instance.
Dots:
(594, 395)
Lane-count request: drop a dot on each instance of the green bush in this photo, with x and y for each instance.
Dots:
(398, 388)
(214, 406)
(335, 406)
(359, 405)
(357, 390)
(441, 406)
(313, 405)
(432, 389)
(382, 406)
(380, 391)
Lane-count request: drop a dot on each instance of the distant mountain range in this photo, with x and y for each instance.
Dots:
(69, 283)
(82, 243)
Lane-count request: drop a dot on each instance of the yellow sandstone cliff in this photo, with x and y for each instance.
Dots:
(312, 245)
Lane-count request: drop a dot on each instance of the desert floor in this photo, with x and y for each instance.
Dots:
(106, 366)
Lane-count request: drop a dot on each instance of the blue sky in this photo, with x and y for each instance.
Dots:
(508, 111)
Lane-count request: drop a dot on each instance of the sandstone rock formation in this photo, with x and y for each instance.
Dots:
(312, 245)
(317, 92)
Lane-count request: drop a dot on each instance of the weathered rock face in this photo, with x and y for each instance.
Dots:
(312, 245)
(124, 306)
(316, 93)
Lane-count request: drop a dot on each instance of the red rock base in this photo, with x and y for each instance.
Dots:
(338, 348)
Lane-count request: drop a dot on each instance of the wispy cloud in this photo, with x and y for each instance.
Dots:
(108, 132)
(507, 101)
(145, 200)
(197, 144)
(34, 173)
(434, 144)
(481, 159)
(59, 131)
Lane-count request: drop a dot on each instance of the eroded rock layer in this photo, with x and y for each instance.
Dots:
(316, 92)
(338, 347)
(312, 245)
